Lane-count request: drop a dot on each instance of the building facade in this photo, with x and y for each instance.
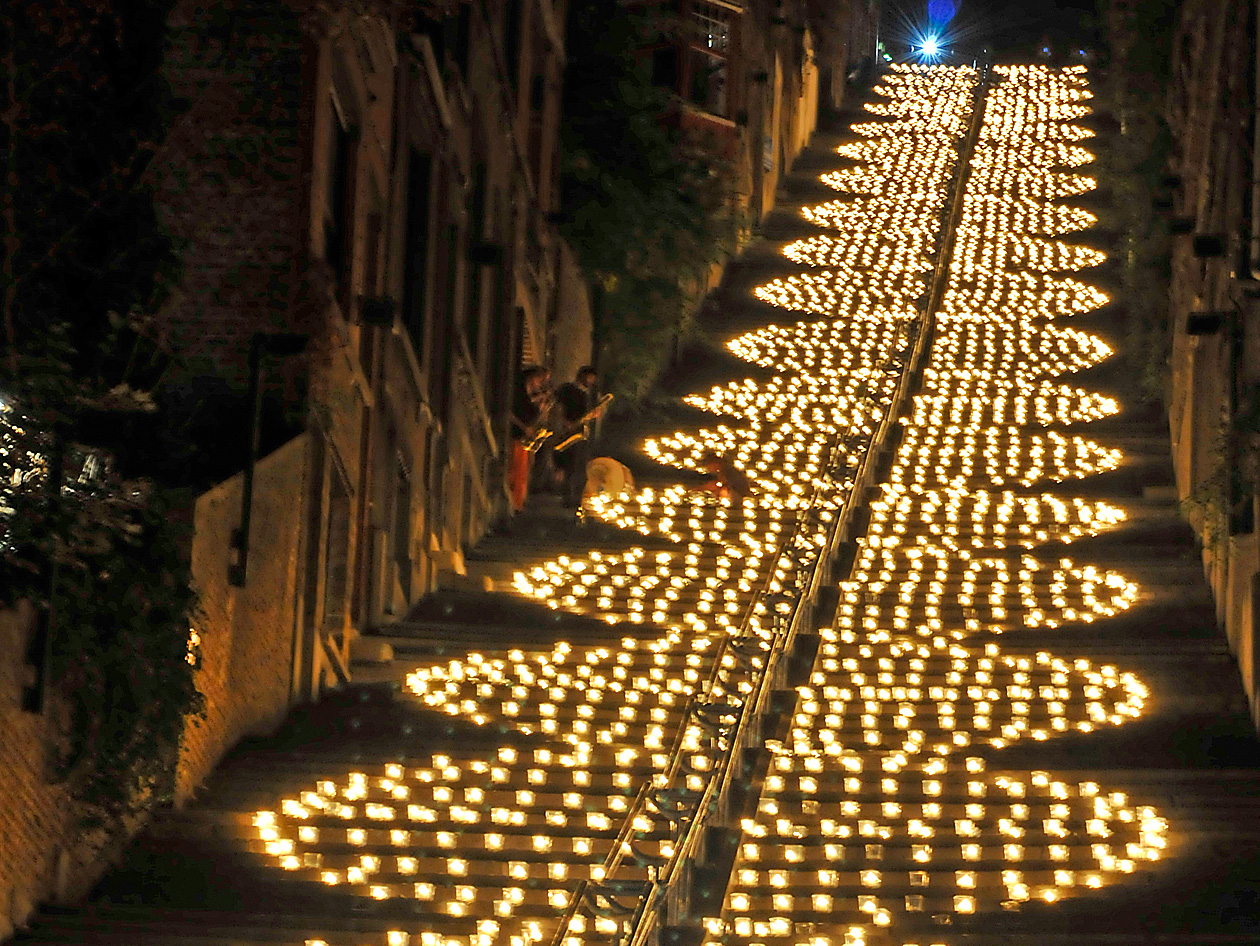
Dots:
(360, 195)
(364, 198)
(1214, 393)
(750, 78)
(418, 169)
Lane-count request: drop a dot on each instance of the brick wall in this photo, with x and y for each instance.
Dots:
(1211, 374)
(229, 179)
(33, 821)
(247, 637)
(229, 187)
(246, 633)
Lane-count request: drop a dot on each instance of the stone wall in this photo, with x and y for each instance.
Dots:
(247, 634)
(34, 825)
(247, 646)
(1213, 395)
(572, 329)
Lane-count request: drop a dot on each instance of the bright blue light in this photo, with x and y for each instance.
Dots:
(940, 12)
(931, 46)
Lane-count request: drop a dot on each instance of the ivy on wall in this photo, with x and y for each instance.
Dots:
(646, 209)
(1133, 90)
(107, 560)
(84, 266)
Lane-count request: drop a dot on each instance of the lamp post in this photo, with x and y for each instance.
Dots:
(279, 345)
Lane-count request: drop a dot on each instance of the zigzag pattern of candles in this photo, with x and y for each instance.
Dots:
(879, 810)
(490, 849)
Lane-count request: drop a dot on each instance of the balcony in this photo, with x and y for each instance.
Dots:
(698, 59)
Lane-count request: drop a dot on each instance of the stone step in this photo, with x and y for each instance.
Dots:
(118, 926)
(929, 933)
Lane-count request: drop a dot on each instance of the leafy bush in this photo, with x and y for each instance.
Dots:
(101, 556)
(1139, 38)
(647, 209)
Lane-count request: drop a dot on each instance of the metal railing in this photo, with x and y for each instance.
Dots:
(666, 898)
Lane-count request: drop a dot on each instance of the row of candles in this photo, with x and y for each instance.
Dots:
(878, 811)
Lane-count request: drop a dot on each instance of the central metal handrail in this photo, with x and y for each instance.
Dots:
(647, 917)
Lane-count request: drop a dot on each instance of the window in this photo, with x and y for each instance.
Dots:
(337, 212)
(512, 40)
(713, 27)
(500, 358)
(337, 554)
(463, 38)
(444, 328)
(416, 247)
(375, 225)
(476, 236)
(373, 264)
(402, 530)
(435, 30)
(708, 81)
(708, 46)
(694, 63)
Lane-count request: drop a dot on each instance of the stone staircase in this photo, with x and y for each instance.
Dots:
(513, 816)
(486, 728)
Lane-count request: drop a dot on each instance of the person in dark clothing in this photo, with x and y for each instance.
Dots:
(579, 409)
(531, 404)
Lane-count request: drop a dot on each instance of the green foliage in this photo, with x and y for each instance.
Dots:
(1139, 37)
(122, 665)
(648, 210)
(83, 108)
(1208, 505)
(1223, 496)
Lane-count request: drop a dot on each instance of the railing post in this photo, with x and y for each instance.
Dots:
(669, 900)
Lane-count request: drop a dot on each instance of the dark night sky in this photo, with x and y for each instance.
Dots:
(1011, 27)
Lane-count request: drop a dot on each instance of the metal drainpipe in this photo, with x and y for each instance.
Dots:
(238, 568)
(1255, 150)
